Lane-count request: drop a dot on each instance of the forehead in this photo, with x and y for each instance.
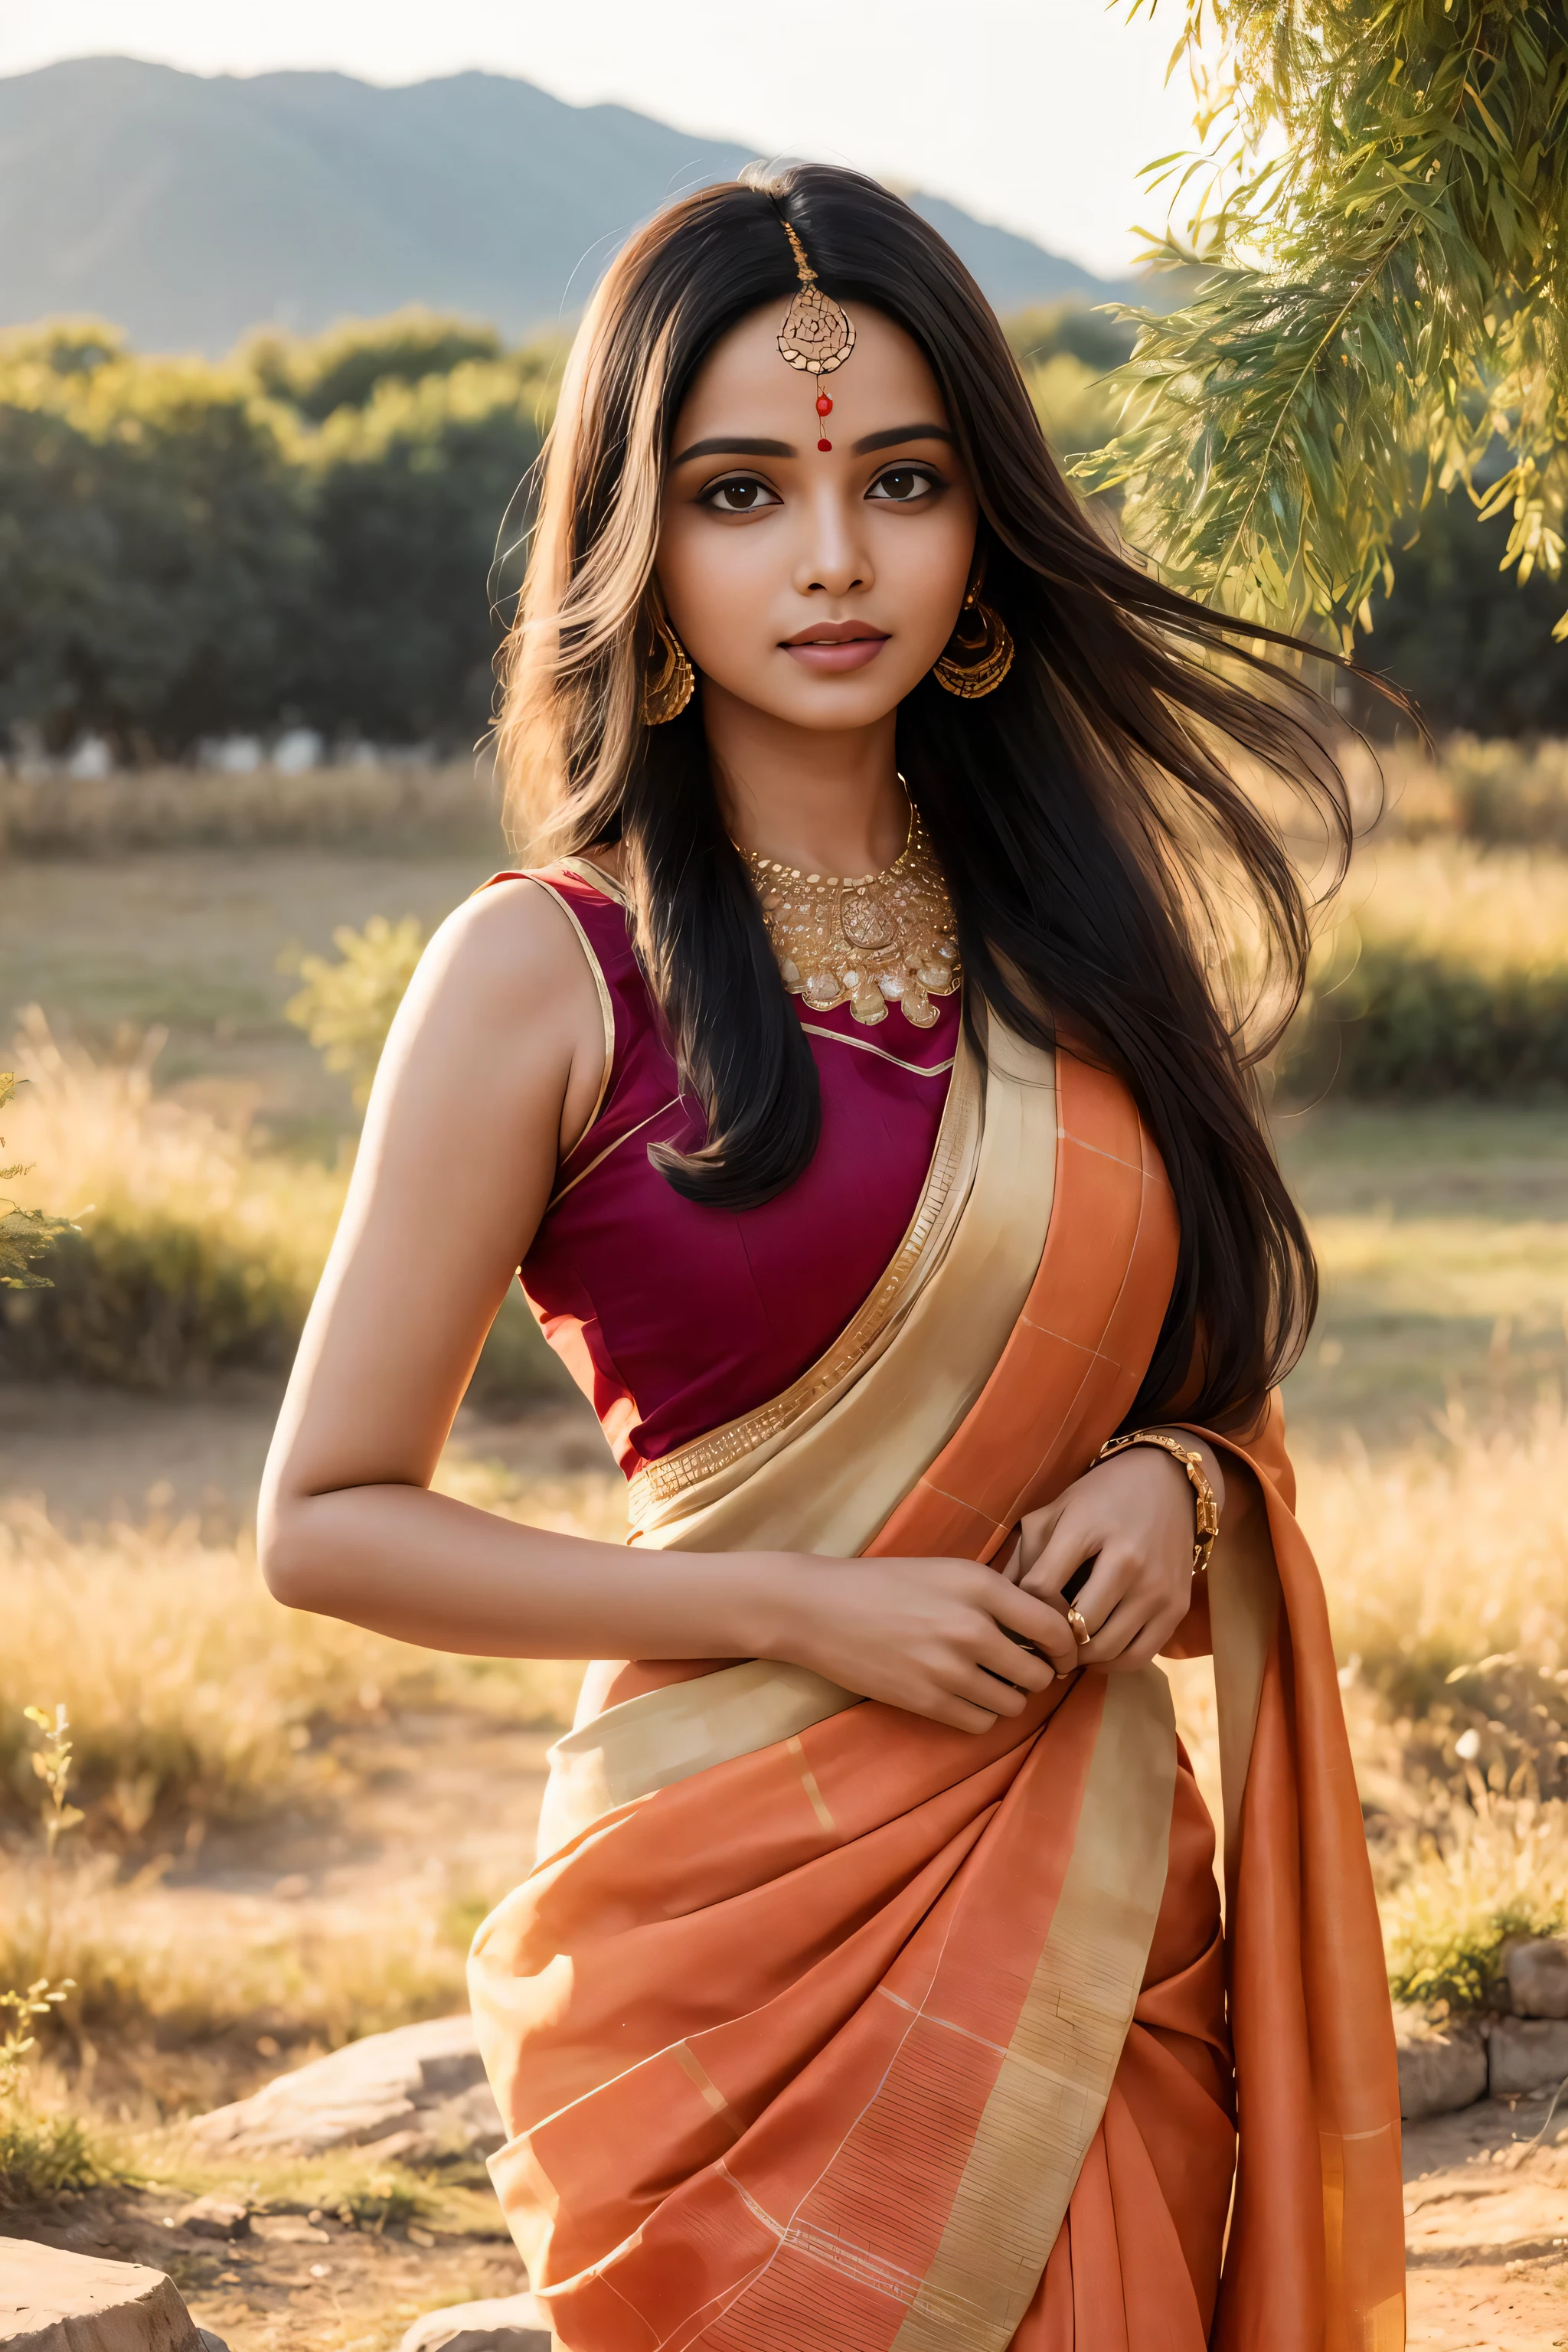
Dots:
(886, 380)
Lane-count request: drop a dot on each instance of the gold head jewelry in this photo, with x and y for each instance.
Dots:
(667, 688)
(817, 335)
(869, 941)
(981, 662)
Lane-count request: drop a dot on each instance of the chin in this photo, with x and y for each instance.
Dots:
(860, 701)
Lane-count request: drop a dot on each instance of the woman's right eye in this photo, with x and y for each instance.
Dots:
(739, 494)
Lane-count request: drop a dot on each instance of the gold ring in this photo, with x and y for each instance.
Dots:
(1079, 1624)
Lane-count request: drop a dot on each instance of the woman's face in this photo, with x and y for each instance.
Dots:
(816, 587)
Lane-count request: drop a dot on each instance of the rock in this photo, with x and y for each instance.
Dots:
(417, 2093)
(51, 2301)
(215, 2216)
(1538, 1976)
(505, 2322)
(1527, 2054)
(1440, 2066)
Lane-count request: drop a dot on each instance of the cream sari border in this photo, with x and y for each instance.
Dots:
(1050, 2091)
(827, 1479)
(670, 1734)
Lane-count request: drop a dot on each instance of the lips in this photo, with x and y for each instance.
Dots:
(833, 646)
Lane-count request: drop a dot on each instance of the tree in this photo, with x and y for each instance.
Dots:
(154, 546)
(342, 368)
(1382, 210)
(409, 493)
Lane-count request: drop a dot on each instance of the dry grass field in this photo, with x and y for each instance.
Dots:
(290, 1827)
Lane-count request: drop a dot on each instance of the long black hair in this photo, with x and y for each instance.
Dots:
(1118, 891)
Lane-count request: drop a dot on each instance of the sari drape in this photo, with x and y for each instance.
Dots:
(820, 2026)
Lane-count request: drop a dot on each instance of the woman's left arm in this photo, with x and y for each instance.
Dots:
(1132, 1517)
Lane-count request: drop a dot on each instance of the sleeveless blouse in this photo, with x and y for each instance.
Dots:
(673, 1316)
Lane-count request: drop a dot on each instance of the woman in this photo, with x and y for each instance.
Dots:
(856, 1095)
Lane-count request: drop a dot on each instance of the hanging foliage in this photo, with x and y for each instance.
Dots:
(1379, 210)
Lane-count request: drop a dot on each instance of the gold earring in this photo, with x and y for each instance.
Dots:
(989, 656)
(667, 690)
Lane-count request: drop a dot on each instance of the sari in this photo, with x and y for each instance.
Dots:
(823, 2027)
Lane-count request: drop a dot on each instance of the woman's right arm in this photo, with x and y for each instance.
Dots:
(491, 1070)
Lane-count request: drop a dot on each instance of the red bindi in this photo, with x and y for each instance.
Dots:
(824, 445)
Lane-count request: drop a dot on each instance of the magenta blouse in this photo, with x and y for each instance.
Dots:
(675, 1318)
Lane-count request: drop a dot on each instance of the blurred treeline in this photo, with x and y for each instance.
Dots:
(325, 533)
(301, 535)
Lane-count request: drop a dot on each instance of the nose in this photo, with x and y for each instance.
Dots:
(833, 558)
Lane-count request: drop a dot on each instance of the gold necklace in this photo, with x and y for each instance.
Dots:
(868, 940)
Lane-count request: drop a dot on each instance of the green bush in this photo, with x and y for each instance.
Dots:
(1459, 1965)
(155, 1304)
(1422, 1025)
(346, 1008)
(188, 1249)
(1496, 792)
(43, 2158)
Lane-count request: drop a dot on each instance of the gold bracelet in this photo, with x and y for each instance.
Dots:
(1206, 1510)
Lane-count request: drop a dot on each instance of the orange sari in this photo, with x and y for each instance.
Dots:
(822, 2027)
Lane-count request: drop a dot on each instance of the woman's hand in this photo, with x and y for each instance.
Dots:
(923, 1634)
(1132, 1517)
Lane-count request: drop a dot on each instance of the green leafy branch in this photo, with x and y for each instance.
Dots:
(1380, 221)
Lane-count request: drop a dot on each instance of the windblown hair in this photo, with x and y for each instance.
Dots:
(1102, 858)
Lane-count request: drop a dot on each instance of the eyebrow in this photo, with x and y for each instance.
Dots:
(724, 445)
(896, 433)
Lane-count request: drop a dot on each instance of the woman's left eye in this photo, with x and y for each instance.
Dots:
(902, 485)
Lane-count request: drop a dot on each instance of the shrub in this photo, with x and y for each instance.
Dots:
(1450, 977)
(190, 1251)
(1501, 1877)
(1428, 1024)
(44, 2156)
(346, 1008)
(1495, 791)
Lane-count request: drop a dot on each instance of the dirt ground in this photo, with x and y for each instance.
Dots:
(300, 2280)
(1487, 2230)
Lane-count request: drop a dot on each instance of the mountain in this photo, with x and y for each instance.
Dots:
(189, 209)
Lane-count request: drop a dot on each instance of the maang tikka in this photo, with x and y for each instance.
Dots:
(817, 335)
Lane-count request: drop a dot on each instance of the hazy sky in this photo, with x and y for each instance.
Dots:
(1036, 113)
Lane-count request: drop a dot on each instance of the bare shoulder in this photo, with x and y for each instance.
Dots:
(510, 947)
